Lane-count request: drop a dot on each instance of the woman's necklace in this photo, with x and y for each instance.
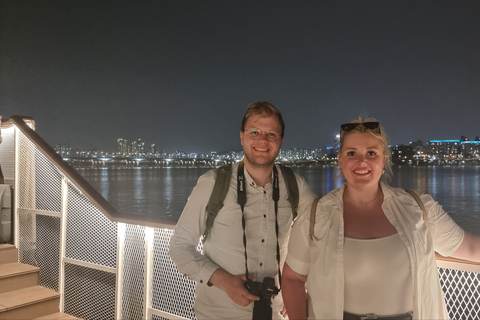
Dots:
(364, 203)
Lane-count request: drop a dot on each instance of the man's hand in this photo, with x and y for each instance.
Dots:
(233, 287)
(284, 312)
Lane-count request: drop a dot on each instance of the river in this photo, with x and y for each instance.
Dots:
(163, 192)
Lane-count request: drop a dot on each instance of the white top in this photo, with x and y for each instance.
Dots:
(324, 255)
(370, 286)
(224, 247)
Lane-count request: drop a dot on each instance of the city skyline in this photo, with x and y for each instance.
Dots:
(149, 147)
(433, 152)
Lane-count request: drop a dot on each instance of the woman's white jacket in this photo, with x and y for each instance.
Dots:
(322, 257)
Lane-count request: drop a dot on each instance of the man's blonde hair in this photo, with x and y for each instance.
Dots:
(263, 108)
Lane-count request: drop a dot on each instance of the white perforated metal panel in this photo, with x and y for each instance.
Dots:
(47, 253)
(27, 234)
(172, 292)
(462, 293)
(89, 293)
(134, 273)
(91, 236)
(27, 172)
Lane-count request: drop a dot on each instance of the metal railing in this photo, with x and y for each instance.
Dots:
(111, 266)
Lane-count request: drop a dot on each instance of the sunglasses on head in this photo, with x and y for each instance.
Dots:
(367, 125)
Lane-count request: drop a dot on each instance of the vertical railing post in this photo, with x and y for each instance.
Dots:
(149, 236)
(63, 238)
(16, 196)
(121, 231)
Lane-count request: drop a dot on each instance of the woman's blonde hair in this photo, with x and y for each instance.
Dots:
(379, 133)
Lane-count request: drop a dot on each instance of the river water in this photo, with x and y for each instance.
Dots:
(162, 192)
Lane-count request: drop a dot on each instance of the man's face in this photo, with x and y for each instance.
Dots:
(259, 149)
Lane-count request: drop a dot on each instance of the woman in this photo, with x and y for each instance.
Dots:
(371, 253)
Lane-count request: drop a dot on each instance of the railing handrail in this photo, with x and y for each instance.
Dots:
(86, 188)
(458, 264)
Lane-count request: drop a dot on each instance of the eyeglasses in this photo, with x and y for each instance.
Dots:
(374, 126)
(255, 134)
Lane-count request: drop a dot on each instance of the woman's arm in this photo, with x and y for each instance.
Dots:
(469, 249)
(293, 293)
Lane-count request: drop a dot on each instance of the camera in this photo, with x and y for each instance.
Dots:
(265, 289)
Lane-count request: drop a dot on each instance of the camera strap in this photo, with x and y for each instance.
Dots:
(242, 200)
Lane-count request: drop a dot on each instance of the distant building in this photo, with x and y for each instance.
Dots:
(337, 143)
(138, 147)
(444, 150)
(452, 151)
(471, 149)
(122, 146)
(64, 151)
(402, 154)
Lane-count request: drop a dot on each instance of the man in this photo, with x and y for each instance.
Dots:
(220, 270)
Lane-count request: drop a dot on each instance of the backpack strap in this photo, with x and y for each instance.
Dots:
(420, 203)
(215, 202)
(292, 188)
(313, 211)
(222, 184)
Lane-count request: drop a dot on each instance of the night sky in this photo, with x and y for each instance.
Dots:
(181, 73)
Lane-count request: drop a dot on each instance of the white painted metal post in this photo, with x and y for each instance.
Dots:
(63, 237)
(121, 230)
(149, 236)
(16, 219)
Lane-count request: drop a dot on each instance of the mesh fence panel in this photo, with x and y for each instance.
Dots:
(91, 236)
(40, 182)
(172, 292)
(27, 231)
(462, 295)
(48, 184)
(27, 171)
(47, 253)
(40, 246)
(133, 273)
(89, 294)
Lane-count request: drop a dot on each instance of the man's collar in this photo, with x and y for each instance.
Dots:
(249, 180)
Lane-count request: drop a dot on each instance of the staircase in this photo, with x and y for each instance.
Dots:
(20, 295)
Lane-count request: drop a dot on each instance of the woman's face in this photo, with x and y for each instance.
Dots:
(362, 160)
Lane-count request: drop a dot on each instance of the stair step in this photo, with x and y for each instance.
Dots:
(17, 275)
(22, 303)
(8, 253)
(58, 316)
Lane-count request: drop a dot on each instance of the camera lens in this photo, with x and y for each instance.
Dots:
(262, 309)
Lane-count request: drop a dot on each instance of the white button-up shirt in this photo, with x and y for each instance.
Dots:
(224, 246)
(322, 259)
